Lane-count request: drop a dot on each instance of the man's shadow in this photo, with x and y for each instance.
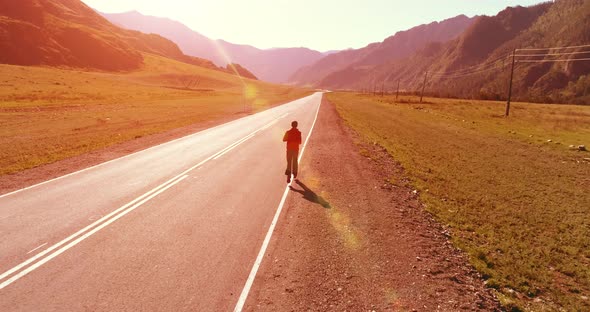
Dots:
(310, 195)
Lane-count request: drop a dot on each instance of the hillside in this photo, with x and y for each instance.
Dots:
(63, 33)
(400, 45)
(240, 71)
(470, 67)
(269, 65)
(190, 42)
(69, 33)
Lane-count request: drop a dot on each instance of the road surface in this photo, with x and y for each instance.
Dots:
(176, 227)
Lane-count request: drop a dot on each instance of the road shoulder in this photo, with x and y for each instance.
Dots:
(350, 240)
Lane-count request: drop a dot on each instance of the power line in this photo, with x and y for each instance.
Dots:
(500, 63)
(494, 64)
(555, 48)
(468, 73)
(552, 54)
(548, 61)
(473, 67)
(480, 68)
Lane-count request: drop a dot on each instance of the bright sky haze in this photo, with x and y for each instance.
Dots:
(316, 24)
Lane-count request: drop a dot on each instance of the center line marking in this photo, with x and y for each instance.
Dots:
(83, 237)
(36, 248)
(111, 217)
(234, 146)
(43, 253)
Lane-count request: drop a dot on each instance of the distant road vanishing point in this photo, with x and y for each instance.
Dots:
(174, 227)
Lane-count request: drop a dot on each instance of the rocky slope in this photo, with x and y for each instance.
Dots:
(400, 45)
(69, 33)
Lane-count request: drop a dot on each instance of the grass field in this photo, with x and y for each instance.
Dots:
(48, 114)
(518, 204)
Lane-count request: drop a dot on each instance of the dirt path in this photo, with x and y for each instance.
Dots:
(349, 241)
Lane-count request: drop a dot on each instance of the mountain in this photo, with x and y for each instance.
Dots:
(69, 33)
(477, 63)
(240, 71)
(274, 65)
(61, 33)
(398, 46)
(326, 53)
(190, 42)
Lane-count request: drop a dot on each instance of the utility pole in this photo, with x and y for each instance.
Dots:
(510, 85)
(382, 87)
(423, 86)
(397, 92)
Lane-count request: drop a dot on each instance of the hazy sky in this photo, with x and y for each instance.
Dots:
(317, 24)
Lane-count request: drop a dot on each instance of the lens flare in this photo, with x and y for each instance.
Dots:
(343, 226)
(394, 300)
(250, 91)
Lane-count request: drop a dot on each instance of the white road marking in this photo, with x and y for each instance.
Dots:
(225, 149)
(258, 261)
(83, 237)
(120, 211)
(236, 145)
(36, 248)
(270, 124)
(96, 217)
(80, 232)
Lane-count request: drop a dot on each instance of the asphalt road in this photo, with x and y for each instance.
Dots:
(176, 227)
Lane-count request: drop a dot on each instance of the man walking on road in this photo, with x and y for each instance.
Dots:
(293, 139)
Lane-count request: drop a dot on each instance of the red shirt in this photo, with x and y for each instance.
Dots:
(293, 139)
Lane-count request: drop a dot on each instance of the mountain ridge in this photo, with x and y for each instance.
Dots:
(482, 67)
(68, 33)
(393, 47)
(267, 64)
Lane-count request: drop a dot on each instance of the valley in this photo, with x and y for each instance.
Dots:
(446, 166)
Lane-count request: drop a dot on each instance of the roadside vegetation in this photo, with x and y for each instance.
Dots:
(514, 194)
(48, 114)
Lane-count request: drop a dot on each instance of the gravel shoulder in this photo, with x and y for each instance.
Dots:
(348, 240)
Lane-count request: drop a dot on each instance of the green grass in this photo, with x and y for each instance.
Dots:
(517, 204)
(48, 114)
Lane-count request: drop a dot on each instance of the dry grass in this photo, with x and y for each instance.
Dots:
(48, 114)
(517, 204)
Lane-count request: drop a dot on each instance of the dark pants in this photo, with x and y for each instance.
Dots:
(292, 164)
